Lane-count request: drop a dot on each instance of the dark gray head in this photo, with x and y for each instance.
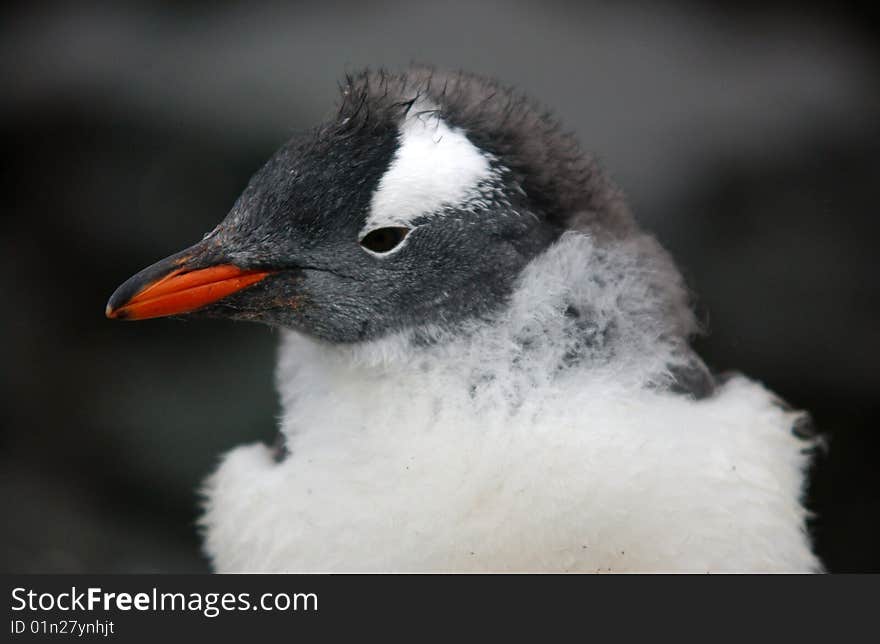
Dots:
(420, 201)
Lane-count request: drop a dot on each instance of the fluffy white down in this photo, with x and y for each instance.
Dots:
(481, 452)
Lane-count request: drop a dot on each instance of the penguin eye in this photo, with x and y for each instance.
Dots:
(382, 240)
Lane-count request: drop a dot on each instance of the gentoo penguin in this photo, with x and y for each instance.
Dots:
(485, 363)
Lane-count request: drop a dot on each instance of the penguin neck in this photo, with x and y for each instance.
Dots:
(613, 314)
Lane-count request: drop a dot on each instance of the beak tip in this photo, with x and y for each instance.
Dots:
(115, 309)
(116, 304)
(114, 314)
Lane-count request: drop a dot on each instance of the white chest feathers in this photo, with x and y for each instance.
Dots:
(498, 452)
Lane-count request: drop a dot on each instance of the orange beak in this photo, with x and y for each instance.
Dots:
(157, 291)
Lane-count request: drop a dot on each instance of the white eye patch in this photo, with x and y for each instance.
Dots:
(434, 166)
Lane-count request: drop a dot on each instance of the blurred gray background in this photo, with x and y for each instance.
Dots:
(747, 138)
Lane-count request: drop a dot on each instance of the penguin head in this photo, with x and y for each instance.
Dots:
(418, 203)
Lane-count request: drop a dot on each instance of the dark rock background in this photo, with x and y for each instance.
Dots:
(746, 137)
